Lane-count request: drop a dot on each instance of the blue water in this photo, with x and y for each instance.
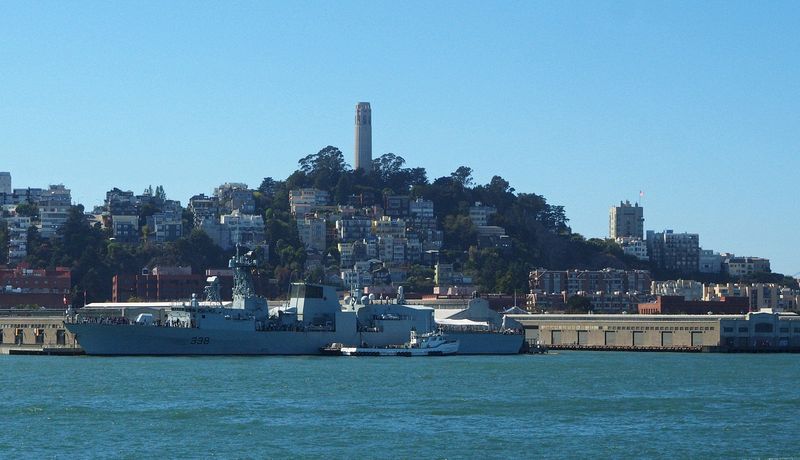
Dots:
(565, 405)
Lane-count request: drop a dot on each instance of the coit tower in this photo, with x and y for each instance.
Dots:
(363, 148)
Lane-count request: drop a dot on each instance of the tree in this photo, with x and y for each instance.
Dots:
(160, 193)
(578, 304)
(463, 176)
(40, 251)
(324, 168)
(197, 250)
(27, 209)
(459, 232)
(267, 187)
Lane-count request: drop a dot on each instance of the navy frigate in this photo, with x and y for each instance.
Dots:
(312, 319)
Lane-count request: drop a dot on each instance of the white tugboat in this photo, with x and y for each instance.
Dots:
(430, 344)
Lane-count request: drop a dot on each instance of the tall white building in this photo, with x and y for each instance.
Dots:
(626, 220)
(363, 147)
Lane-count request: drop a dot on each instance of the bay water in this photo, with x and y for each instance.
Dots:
(561, 405)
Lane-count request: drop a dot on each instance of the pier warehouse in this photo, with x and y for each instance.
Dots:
(757, 331)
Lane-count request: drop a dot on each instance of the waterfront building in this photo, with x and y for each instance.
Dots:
(709, 261)
(34, 287)
(678, 252)
(688, 289)
(743, 266)
(363, 141)
(599, 302)
(751, 331)
(626, 220)
(574, 282)
(41, 334)
(674, 305)
(760, 295)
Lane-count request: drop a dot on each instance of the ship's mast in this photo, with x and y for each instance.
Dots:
(242, 283)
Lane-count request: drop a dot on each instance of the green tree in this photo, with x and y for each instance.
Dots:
(160, 193)
(27, 209)
(463, 176)
(324, 168)
(578, 304)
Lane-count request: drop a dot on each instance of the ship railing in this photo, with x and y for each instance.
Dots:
(115, 320)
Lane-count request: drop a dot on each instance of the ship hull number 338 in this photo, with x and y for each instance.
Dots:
(200, 340)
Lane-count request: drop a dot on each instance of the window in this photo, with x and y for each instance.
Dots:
(743, 329)
(61, 337)
(39, 334)
(727, 329)
(764, 327)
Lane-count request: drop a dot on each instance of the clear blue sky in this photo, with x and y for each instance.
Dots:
(586, 103)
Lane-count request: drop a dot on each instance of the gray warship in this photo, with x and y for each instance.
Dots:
(312, 319)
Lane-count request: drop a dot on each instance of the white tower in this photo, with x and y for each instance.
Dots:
(363, 150)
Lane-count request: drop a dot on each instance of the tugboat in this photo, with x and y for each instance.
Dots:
(430, 344)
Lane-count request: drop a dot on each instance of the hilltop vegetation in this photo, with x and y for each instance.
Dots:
(539, 232)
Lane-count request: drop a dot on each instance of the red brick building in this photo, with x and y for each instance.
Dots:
(175, 283)
(675, 305)
(34, 287)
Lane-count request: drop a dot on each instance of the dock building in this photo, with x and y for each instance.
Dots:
(764, 330)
